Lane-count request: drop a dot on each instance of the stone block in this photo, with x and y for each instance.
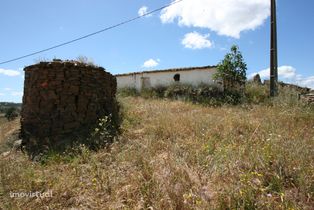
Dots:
(63, 98)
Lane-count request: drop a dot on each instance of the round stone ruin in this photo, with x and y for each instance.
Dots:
(62, 102)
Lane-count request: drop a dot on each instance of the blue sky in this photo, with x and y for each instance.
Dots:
(190, 33)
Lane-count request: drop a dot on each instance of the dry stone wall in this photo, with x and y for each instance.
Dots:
(63, 99)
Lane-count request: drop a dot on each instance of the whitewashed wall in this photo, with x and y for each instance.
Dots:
(193, 77)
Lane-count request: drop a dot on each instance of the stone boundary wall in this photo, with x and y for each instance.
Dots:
(63, 99)
(308, 98)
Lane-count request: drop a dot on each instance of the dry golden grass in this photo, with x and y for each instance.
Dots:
(175, 155)
(7, 127)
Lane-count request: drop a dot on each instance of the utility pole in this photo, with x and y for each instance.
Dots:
(273, 51)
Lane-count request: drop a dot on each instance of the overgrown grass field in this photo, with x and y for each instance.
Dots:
(7, 128)
(178, 155)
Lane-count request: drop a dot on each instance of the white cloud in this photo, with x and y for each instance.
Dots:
(17, 93)
(151, 63)
(285, 72)
(306, 81)
(8, 72)
(10, 91)
(143, 10)
(288, 74)
(195, 40)
(226, 17)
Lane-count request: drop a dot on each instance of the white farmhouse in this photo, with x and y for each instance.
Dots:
(148, 79)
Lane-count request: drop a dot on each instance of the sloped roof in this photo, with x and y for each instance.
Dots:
(168, 70)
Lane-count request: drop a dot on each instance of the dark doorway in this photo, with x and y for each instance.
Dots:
(176, 77)
(145, 82)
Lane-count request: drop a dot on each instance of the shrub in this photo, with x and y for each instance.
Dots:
(203, 94)
(287, 96)
(85, 60)
(207, 94)
(256, 94)
(212, 95)
(148, 93)
(127, 91)
(159, 91)
(259, 94)
(233, 97)
(103, 133)
(11, 113)
(155, 92)
(179, 91)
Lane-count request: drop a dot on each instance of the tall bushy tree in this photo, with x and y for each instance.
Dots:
(232, 69)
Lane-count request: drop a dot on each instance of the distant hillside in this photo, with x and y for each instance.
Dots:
(5, 105)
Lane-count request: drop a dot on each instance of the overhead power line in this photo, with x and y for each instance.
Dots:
(91, 34)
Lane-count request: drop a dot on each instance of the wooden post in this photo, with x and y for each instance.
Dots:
(273, 52)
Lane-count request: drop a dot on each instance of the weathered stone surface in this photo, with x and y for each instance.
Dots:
(62, 99)
(257, 79)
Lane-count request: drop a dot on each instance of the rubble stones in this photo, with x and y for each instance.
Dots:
(257, 79)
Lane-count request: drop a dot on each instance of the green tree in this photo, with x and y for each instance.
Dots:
(232, 69)
(11, 113)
